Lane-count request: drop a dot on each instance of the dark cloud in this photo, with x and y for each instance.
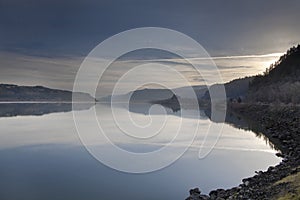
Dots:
(74, 27)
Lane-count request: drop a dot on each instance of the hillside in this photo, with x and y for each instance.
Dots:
(280, 82)
(234, 89)
(38, 93)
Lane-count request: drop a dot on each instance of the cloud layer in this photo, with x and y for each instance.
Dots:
(60, 72)
(74, 27)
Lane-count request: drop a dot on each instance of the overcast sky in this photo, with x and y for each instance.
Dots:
(67, 30)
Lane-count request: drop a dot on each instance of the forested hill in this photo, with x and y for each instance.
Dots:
(280, 82)
(39, 93)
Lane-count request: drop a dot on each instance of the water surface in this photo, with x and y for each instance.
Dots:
(41, 157)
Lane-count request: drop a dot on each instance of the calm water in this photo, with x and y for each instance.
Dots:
(41, 157)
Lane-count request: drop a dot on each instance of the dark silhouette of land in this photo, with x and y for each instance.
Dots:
(15, 93)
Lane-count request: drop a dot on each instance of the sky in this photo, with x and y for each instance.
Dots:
(43, 42)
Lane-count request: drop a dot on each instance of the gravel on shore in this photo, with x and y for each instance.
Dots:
(281, 124)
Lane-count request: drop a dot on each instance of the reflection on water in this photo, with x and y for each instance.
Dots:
(239, 122)
(21, 109)
(41, 157)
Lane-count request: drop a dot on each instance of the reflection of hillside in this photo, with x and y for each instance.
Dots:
(171, 103)
(22, 109)
(144, 108)
(240, 122)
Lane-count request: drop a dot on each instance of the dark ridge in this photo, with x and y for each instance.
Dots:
(15, 93)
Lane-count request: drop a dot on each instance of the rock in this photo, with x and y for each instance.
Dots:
(279, 155)
(219, 193)
(213, 195)
(294, 171)
(195, 194)
(204, 197)
(247, 183)
(195, 191)
(258, 172)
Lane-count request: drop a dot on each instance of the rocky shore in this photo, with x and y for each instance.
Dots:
(281, 124)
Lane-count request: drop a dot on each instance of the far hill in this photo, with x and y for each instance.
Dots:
(15, 93)
(148, 95)
(280, 82)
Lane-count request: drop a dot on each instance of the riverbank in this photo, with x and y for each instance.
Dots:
(281, 125)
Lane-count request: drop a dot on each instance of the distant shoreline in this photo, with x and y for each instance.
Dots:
(39, 94)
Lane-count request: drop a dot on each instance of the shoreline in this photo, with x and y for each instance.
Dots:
(280, 125)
